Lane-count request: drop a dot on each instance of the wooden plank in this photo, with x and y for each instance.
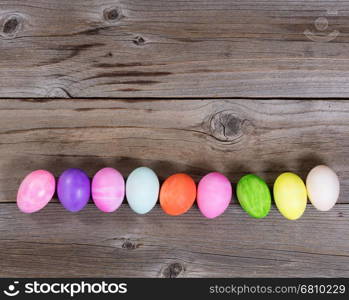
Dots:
(57, 243)
(174, 48)
(232, 136)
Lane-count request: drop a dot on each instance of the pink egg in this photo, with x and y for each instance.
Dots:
(214, 194)
(35, 191)
(108, 189)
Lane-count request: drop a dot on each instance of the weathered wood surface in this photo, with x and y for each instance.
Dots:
(55, 242)
(197, 136)
(166, 49)
(173, 48)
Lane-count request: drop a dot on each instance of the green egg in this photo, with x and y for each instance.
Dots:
(254, 196)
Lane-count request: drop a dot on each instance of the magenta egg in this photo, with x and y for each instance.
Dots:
(214, 194)
(108, 189)
(35, 191)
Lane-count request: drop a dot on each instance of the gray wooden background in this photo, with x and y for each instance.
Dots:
(179, 86)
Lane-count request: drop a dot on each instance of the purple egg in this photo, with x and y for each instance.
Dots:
(73, 189)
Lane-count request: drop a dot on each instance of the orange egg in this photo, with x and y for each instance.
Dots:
(177, 194)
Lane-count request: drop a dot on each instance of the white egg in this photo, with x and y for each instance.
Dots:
(142, 190)
(323, 187)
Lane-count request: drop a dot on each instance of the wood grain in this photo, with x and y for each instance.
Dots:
(57, 243)
(173, 48)
(233, 62)
(196, 136)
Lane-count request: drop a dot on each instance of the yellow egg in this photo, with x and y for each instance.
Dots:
(290, 195)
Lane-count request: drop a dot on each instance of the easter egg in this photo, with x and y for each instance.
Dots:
(142, 190)
(35, 191)
(213, 194)
(323, 187)
(290, 195)
(73, 189)
(254, 196)
(108, 189)
(177, 194)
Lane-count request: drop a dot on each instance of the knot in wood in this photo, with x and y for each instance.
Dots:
(225, 126)
(129, 245)
(173, 270)
(112, 14)
(58, 92)
(139, 41)
(11, 25)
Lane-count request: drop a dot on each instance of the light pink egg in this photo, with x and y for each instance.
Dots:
(35, 191)
(108, 189)
(214, 194)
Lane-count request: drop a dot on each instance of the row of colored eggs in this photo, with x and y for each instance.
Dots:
(178, 192)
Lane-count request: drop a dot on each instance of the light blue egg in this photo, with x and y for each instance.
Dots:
(142, 190)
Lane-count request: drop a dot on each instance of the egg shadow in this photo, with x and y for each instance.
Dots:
(306, 162)
(126, 165)
(272, 171)
(168, 168)
(235, 172)
(199, 169)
